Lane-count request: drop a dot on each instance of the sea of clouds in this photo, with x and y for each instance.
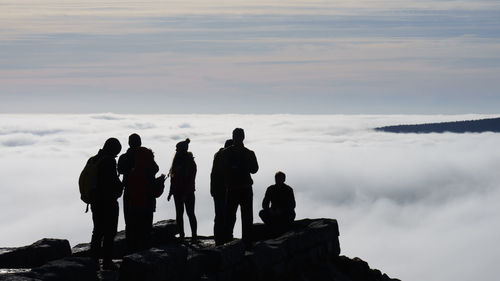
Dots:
(417, 206)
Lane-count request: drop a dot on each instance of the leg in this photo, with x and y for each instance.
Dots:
(247, 215)
(128, 223)
(189, 202)
(144, 230)
(97, 232)
(219, 203)
(149, 229)
(110, 230)
(132, 231)
(179, 213)
(232, 202)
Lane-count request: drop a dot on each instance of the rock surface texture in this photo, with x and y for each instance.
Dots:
(308, 251)
(35, 254)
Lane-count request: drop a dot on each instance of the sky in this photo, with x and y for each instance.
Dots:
(306, 79)
(415, 206)
(215, 56)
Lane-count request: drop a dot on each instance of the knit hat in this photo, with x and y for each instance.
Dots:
(183, 145)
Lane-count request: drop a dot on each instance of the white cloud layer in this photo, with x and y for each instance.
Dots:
(419, 207)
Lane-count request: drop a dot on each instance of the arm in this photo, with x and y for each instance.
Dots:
(172, 188)
(122, 164)
(192, 174)
(213, 175)
(110, 177)
(253, 166)
(267, 200)
(155, 168)
(292, 199)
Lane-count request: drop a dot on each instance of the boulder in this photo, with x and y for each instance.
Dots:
(359, 270)
(267, 260)
(162, 263)
(163, 232)
(224, 256)
(16, 277)
(81, 250)
(34, 255)
(70, 268)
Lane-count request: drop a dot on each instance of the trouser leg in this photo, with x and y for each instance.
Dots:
(132, 234)
(149, 229)
(111, 226)
(246, 202)
(144, 227)
(190, 202)
(232, 203)
(97, 231)
(219, 221)
(179, 213)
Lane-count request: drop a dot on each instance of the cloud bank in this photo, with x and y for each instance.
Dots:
(419, 207)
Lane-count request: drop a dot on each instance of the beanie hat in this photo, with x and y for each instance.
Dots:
(183, 145)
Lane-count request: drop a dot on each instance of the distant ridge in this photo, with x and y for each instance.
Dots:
(470, 126)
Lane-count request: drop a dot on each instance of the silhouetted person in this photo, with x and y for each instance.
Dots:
(218, 192)
(125, 165)
(238, 163)
(144, 188)
(278, 205)
(182, 187)
(104, 204)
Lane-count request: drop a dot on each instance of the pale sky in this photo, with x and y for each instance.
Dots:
(290, 56)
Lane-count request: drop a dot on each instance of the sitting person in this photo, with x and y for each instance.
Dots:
(278, 204)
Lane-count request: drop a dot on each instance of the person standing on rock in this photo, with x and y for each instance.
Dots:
(218, 192)
(144, 188)
(104, 204)
(238, 163)
(125, 166)
(182, 187)
(278, 206)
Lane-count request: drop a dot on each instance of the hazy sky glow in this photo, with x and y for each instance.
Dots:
(250, 56)
(417, 206)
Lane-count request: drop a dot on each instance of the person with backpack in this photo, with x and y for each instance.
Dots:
(103, 202)
(238, 163)
(125, 166)
(143, 189)
(278, 205)
(218, 192)
(182, 187)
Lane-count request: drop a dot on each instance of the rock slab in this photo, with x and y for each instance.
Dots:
(36, 254)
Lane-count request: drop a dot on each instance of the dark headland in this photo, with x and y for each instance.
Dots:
(469, 126)
(308, 251)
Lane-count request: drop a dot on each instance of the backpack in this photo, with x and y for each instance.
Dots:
(88, 180)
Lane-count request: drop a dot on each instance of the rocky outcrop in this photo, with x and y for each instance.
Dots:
(162, 263)
(308, 251)
(34, 255)
(163, 232)
(70, 268)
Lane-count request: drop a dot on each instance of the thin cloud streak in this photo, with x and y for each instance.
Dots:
(353, 52)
